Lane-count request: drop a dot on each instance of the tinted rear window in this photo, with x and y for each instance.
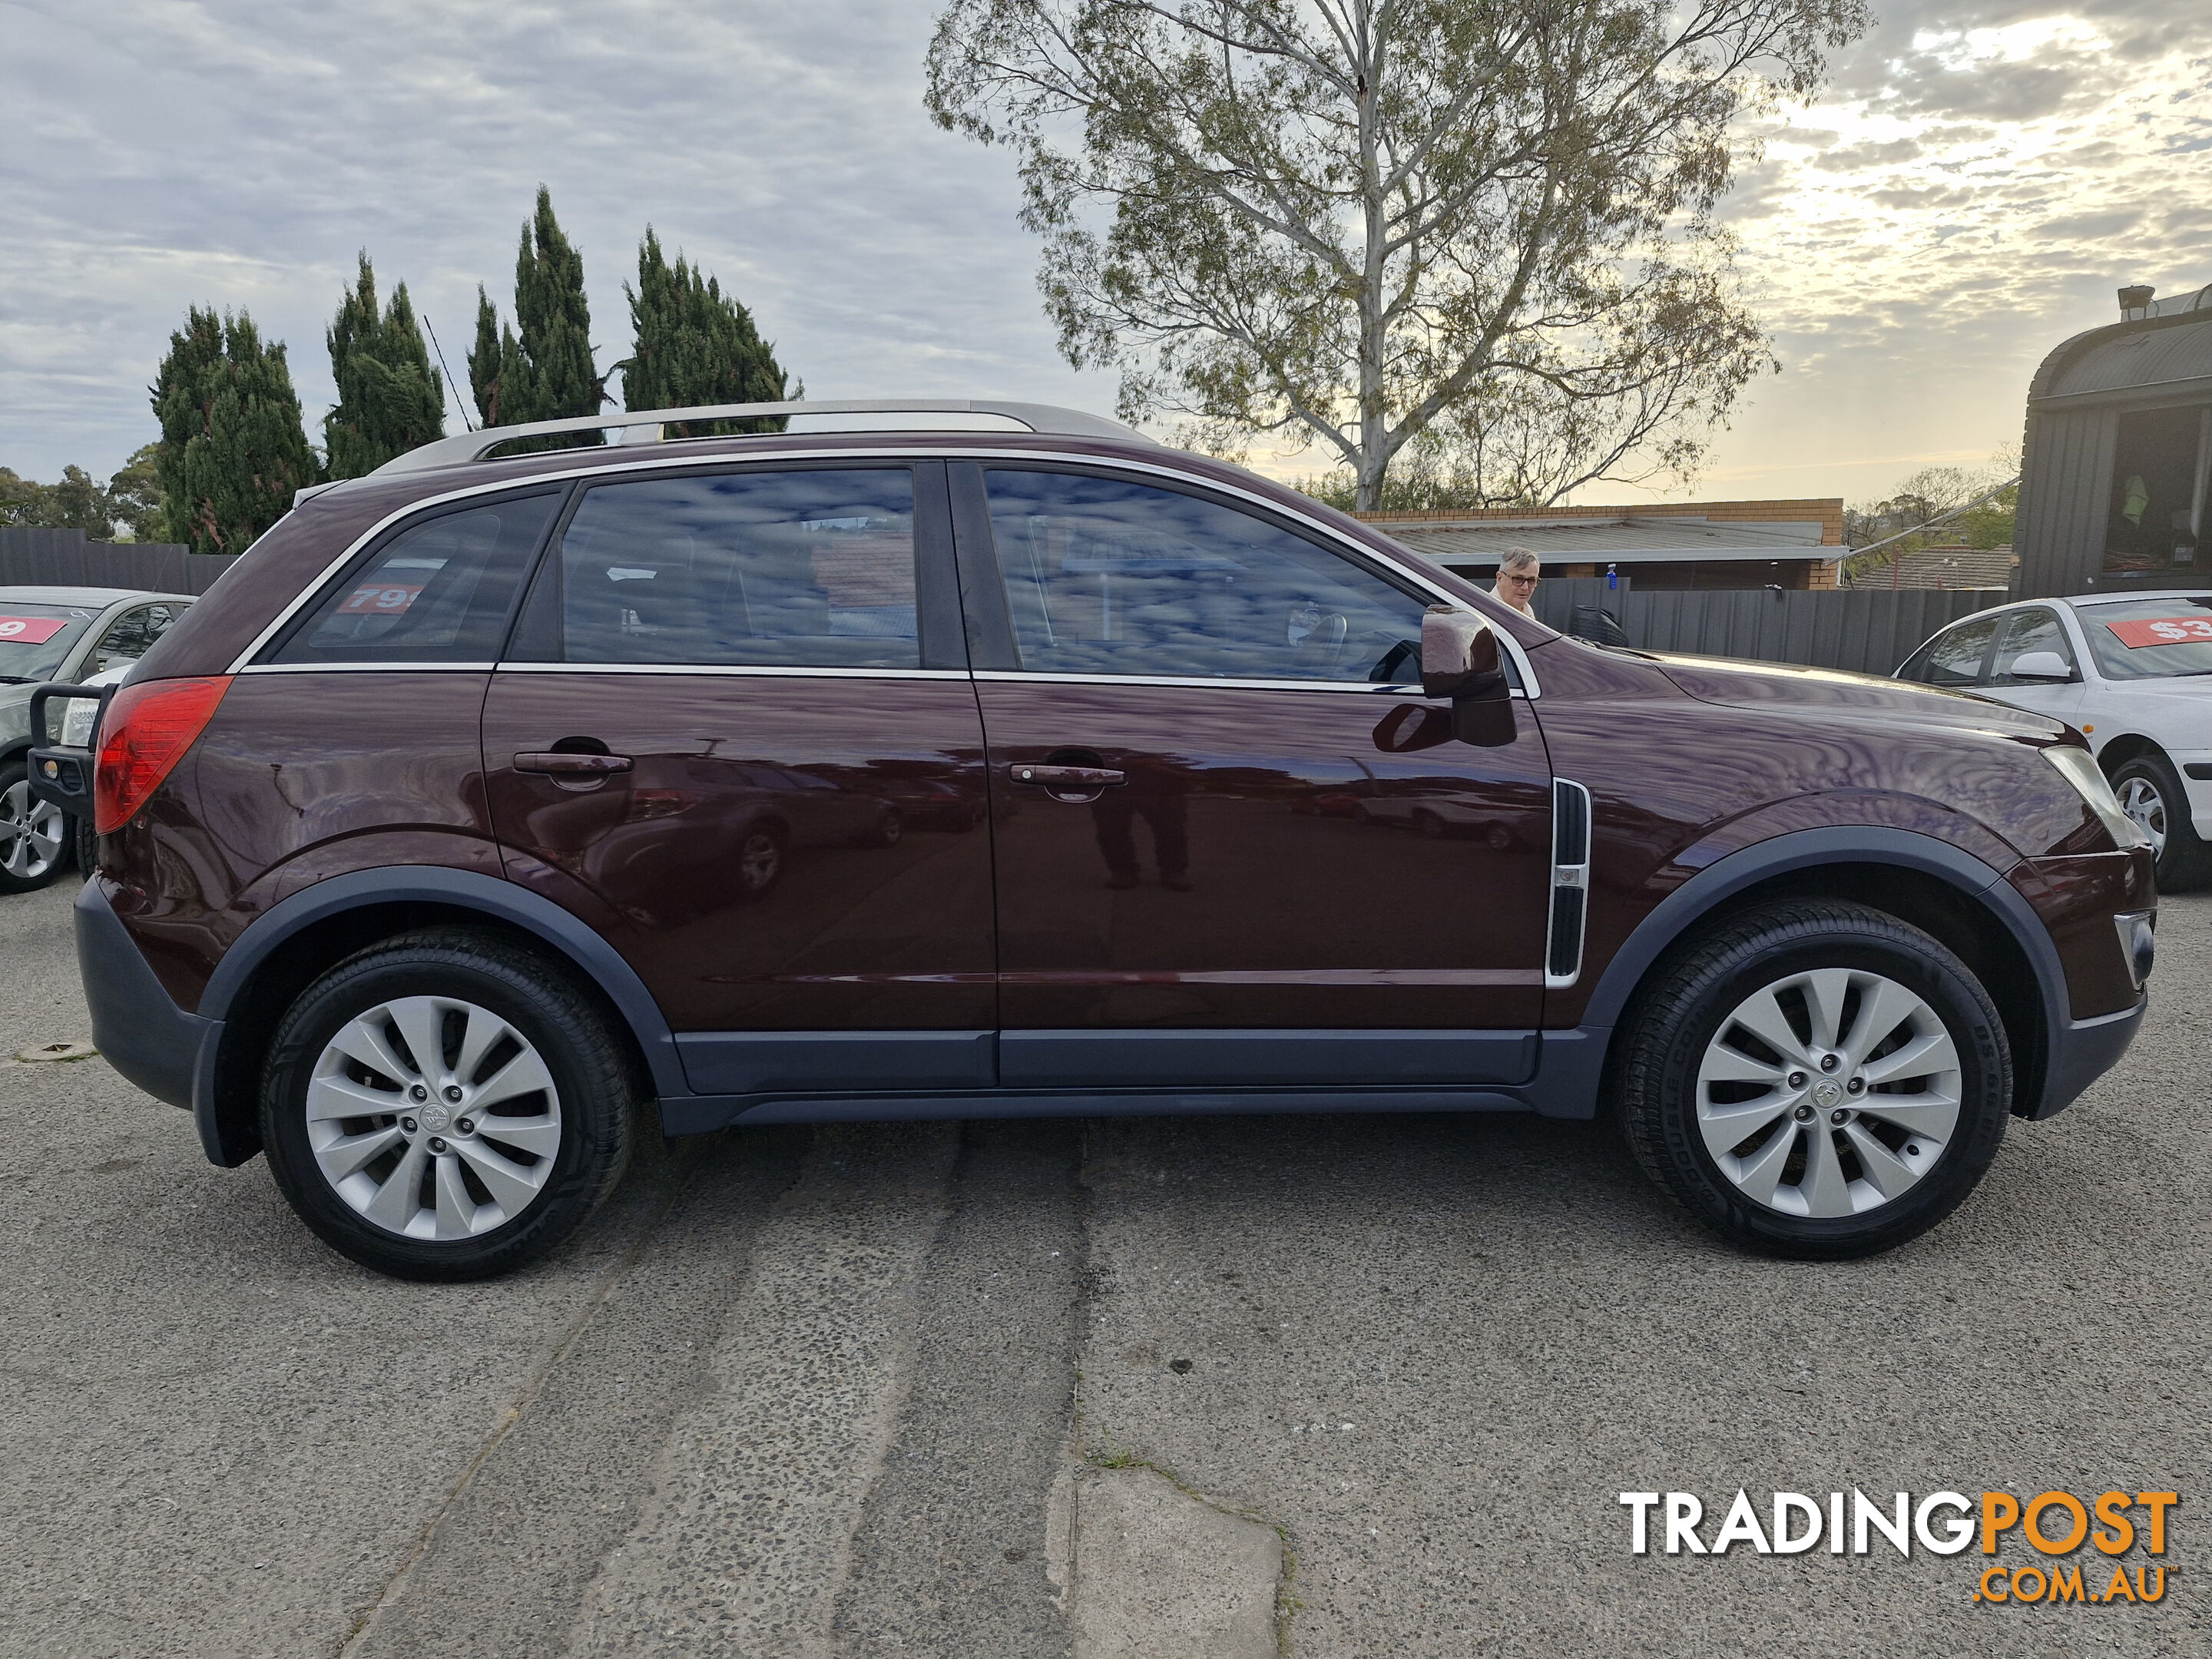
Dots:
(440, 590)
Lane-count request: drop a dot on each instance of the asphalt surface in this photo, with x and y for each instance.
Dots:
(1326, 1387)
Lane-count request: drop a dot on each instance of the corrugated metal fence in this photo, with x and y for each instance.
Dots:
(64, 558)
(1866, 630)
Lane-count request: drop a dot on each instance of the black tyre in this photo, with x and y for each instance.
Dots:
(446, 1105)
(886, 831)
(87, 845)
(34, 844)
(1815, 1080)
(2152, 795)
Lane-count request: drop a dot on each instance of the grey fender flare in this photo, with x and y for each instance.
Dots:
(1803, 849)
(489, 897)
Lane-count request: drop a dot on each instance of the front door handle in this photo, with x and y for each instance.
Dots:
(566, 765)
(1065, 777)
(573, 772)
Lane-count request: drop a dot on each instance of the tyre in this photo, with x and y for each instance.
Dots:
(1815, 1080)
(87, 844)
(886, 830)
(34, 844)
(2153, 796)
(445, 1105)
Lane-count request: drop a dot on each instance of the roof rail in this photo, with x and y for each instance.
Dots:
(1036, 417)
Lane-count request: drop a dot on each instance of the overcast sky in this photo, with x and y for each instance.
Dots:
(1981, 177)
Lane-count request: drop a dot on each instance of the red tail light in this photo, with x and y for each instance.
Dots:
(145, 733)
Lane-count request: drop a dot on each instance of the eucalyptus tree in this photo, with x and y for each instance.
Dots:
(1486, 227)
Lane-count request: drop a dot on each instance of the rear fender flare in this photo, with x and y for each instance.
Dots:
(489, 896)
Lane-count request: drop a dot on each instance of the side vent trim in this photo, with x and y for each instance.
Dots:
(1571, 866)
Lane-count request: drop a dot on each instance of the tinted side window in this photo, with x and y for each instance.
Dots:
(2025, 631)
(131, 635)
(440, 591)
(1107, 576)
(763, 569)
(1954, 657)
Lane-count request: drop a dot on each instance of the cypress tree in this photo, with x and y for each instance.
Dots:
(547, 373)
(695, 345)
(233, 448)
(390, 399)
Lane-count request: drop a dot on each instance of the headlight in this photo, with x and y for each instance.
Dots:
(2079, 767)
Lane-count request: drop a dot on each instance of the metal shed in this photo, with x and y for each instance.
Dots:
(2118, 454)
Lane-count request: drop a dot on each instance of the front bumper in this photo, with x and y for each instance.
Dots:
(139, 1030)
(2082, 1051)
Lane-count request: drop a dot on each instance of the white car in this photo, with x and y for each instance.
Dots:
(2133, 672)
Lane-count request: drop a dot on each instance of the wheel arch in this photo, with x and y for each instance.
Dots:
(300, 938)
(2129, 746)
(1934, 886)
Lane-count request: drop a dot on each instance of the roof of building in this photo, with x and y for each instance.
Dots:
(2165, 352)
(1947, 567)
(1671, 531)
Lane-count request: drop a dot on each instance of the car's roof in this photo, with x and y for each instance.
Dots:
(87, 597)
(2140, 593)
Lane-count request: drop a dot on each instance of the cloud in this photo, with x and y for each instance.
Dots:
(1854, 158)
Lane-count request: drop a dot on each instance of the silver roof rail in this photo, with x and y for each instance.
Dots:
(1036, 417)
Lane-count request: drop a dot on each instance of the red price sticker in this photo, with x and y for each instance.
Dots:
(2162, 630)
(30, 630)
(380, 599)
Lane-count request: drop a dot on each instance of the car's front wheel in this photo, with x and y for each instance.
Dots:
(1816, 1079)
(33, 834)
(445, 1105)
(2152, 795)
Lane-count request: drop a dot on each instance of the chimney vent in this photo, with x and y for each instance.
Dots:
(2135, 301)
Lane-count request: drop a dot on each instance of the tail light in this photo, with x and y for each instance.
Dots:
(147, 730)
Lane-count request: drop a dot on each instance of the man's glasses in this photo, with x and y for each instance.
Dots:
(1522, 581)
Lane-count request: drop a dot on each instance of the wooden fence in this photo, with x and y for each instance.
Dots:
(64, 558)
(1865, 630)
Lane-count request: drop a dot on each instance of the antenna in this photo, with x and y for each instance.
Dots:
(440, 350)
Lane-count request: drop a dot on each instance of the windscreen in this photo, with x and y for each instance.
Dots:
(2150, 639)
(34, 638)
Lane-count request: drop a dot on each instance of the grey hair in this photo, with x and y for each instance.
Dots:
(1518, 558)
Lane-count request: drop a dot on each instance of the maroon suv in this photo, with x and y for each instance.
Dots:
(487, 799)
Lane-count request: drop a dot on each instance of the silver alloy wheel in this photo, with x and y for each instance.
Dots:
(2141, 800)
(434, 1118)
(1829, 1093)
(31, 833)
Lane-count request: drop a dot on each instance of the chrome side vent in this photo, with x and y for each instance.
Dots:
(1571, 860)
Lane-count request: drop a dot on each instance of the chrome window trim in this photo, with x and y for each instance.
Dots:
(906, 454)
(1215, 683)
(365, 668)
(740, 671)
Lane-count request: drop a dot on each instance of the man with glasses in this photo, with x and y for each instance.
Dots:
(1516, 580)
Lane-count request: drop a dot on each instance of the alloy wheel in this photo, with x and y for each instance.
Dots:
(759, 861)
(1829, 1093)
(31, 833)
(434, 1118)
(2141, 800)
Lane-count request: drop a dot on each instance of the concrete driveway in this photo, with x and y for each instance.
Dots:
(1244, 1386)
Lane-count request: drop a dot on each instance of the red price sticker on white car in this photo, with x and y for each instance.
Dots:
(30, 630)
(2162, 630)
(380, 599)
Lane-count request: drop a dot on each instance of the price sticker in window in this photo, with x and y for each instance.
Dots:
(2162, 630)
(380, 599)
(30, 630)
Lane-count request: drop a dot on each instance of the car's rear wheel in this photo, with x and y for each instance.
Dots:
(759, 862)
(1816, 1079)
(33, 834)
(446, 1105)
(2151, 794)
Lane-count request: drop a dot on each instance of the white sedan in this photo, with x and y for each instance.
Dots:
(2133, 672)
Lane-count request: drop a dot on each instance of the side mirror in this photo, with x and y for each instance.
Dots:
(2042, 667)
(1459, 655)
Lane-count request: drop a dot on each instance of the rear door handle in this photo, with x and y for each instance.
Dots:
(573, 766)
(1065, 777)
